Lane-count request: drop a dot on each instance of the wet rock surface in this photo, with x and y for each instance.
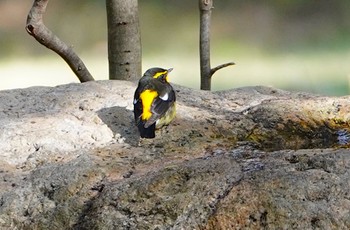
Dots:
(248, 158)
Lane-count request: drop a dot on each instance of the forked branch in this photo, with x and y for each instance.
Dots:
(205, 7)
(36, 28)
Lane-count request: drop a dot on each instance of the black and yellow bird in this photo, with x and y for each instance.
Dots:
(154, 102)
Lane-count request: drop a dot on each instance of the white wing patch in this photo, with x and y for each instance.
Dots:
(164, 97)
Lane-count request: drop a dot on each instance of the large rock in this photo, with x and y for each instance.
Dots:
(249, 158)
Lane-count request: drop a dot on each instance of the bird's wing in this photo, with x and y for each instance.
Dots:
(137, 106)
(160, 105)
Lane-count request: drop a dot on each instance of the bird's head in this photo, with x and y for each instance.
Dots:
(158, 73)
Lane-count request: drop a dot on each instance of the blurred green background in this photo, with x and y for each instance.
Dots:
(300, 45)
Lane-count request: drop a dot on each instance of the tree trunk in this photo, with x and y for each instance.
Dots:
(124, 42)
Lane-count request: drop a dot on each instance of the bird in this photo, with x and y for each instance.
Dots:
(154, 101)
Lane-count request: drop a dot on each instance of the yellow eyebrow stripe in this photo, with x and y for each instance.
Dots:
(159, 74)
(147, 98)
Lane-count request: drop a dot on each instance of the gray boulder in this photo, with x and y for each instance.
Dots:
(248, 158)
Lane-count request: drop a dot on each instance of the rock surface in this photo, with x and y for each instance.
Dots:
(249, 158)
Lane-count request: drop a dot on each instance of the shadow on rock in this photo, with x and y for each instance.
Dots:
(120, 121)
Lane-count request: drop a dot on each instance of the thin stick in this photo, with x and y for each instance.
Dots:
(213, 70)
(36, 28)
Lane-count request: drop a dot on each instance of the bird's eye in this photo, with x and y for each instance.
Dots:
(163, 77)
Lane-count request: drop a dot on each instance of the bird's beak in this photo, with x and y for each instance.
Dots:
(167, 72)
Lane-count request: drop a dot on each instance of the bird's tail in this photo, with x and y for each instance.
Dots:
(148, 132)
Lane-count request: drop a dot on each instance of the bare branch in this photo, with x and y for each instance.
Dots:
(213, 70)
(205, 7)
(36, 28)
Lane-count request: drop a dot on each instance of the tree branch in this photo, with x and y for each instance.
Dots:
(36, 28)
(213, 70)
(205, 7)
